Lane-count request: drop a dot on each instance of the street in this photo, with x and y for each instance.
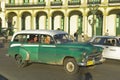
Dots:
(10, 71)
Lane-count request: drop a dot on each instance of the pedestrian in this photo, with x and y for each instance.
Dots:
(76, 35)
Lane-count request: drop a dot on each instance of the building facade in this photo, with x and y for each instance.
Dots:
(2, 14)
(92, 17)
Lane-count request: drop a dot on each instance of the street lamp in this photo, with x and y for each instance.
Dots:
(93, 9)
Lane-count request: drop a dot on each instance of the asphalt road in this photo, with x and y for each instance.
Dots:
(110, 70)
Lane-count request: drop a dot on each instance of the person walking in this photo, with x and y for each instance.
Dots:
(76, 36)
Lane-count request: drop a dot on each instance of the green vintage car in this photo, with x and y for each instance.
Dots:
(53, 47)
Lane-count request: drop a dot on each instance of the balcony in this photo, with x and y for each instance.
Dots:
(41, 4)
(56, 3)
(93, 1)
(114, 1)
(27, 5)
(74, 2)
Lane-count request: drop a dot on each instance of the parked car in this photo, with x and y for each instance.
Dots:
(53, 47)
(111, 45)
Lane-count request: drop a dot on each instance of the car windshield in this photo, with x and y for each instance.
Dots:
(62, 38)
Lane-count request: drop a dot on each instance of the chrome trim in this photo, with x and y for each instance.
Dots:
(95, 62)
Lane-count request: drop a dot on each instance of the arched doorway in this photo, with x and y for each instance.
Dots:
(95, 23)
(114, 22)
(11, 22)
(57, 20)
(75, 22)
(26, 21)
(41, 20)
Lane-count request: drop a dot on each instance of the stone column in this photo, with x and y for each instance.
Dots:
(49, 21)
(19, 26)
(85, 23)
(33, 24)
(66, 22)
(3, 13)
(105, 31)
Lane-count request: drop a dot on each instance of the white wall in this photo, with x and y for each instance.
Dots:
(89, 27)
(73, 24)
(111, 20)
(28, 22)
(57, 22)
(42, 22)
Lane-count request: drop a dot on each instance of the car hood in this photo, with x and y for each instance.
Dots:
(76, 45)
(88, 47)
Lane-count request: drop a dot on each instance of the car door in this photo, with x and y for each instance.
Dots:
(112, 51)
(47, 52)
(31, 47)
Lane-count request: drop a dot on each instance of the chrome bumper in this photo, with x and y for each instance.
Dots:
(93, 62)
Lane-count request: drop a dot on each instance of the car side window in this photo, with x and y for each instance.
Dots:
(111, 42)
(32, 38)
(115, 42)
(20, 38)
(46, 39)
(107, 42)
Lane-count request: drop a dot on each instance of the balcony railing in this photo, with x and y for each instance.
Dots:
(74, 2)
(56, 3)
(41, 4)
(93, 1)
(26, 5)
(114, 1)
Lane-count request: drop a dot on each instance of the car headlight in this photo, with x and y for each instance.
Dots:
(84, 57)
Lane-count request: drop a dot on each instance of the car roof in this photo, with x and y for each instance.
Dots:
(117, 37)
(42, 31)
(105, 36)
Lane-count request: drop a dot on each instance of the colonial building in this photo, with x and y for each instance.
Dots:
(2, 14)
(93, 17)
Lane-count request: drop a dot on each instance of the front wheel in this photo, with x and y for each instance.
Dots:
(20, 62)
(71, 66)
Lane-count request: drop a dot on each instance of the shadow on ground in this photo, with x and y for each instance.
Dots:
(3, 78)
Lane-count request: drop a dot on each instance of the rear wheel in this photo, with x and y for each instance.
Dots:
(71, 66)
(20, 62)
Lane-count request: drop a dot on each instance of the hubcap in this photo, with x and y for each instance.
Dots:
(70, 66)
(18, 59)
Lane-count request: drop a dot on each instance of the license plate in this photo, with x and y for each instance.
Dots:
(90, 63)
